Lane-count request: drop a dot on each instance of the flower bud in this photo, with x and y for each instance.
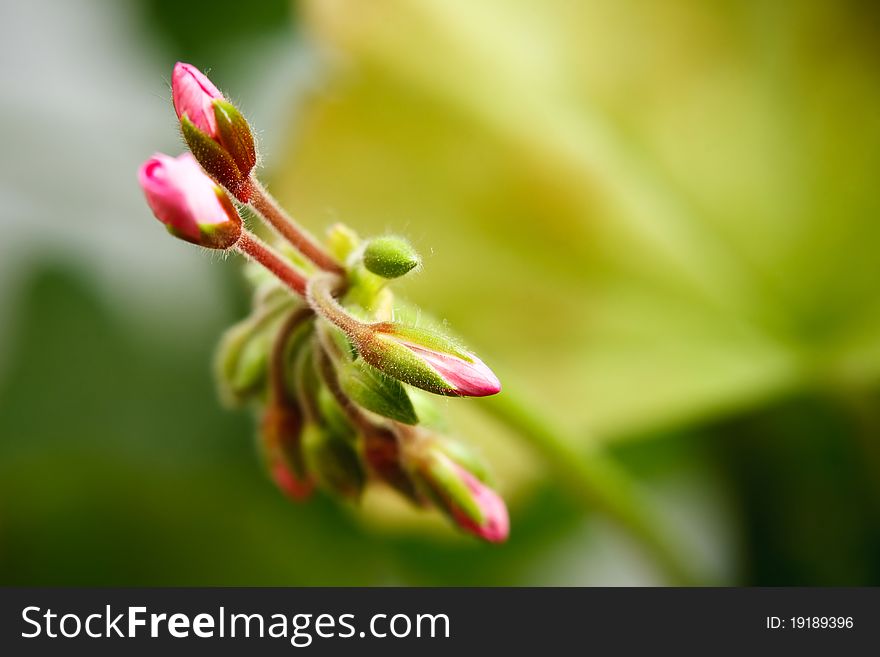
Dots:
(215, 131)
(464, 456)
(190, 204)
(426, 359)
(342, 241)
(242, 356)
(287, 482)
(471, 504)
(193, 95)
(282, 435)
(382, 454)
(333, 461)
(390, 256)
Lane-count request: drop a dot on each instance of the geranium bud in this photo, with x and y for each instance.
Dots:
(382, 454)
(242, 356)
(215, 131)
(333, 461)
(464, 456)
(342, 241)
(282, 436)
(471, 504)
(287, 482)
(425, 359)
(193, 95)
(188, 202)
(390, 256)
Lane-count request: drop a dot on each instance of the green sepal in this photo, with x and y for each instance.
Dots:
(390, 256)
(427, 338)
(445, 485)
(398, 362)
(215, 160)
(235, 135)
(375, 391)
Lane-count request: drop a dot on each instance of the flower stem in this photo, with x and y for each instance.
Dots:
(596, 481)
(320, 294)
(252, 247)
(268, 208)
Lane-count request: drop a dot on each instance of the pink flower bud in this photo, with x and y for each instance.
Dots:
(470, 503)
(286, 481)
(426, 360)
(495, 526)
(193, 95)
(188, 202)
(281, 435)
(469, 377)
(216, 132)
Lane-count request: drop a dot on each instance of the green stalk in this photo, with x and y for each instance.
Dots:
(597, 482)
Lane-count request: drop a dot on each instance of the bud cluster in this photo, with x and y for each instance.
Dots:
(340, 386)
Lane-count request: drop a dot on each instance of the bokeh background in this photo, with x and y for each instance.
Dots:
(658, 221)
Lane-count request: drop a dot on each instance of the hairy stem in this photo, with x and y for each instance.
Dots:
(328, 373)
(268, 208)
(597, 482)
(321, 295)
(260, 252)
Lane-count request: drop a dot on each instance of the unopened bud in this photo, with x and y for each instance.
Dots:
(282, 437)
(193, 95)
(464, 456)
(241, 359)
(342, 241)
(427, 360)
(471, 504)
(383, 455)
(215, 131)
(188, 202)
(390, 256)
(333, 461)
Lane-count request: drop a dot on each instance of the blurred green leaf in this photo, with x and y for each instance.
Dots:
(645, 214)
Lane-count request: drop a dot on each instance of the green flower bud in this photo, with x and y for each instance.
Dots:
(332, 415)
(333, 461)
(241, 359)
(390, 256)
(342, 241)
